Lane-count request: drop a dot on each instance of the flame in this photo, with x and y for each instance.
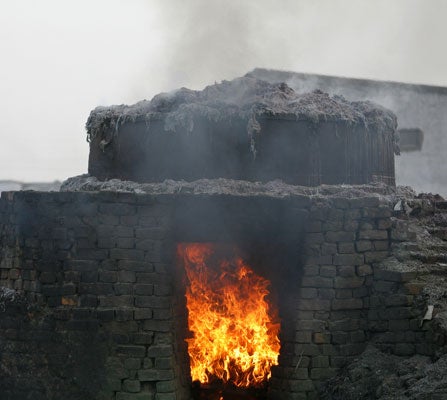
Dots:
(235, 333)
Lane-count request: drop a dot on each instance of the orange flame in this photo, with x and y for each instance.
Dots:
(235, 334)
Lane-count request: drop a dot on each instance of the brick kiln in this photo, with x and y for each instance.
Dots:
(98, 278)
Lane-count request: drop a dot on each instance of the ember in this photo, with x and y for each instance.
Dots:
(235, 330)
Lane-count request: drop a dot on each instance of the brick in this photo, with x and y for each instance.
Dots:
(152, 375)
(347, 304)
(375, 256)
(307, 349)
(303, 337)
(384, 286)
(311, 325)
(88, 276)
(363, 245)
(88, 301)
(137, 266)
(344, 325)
(154, 233)
(352, 214)
(311, 270)
(328, 248)
(364, 270)
(143, 277)
(157, 326)
(131, 385)
(351, 225)
(116, 301)
(348, 283)
(328, 271)
(314, 304)
(149, 244)
(308, 293)
(346, 247)
(162, 313)
(343, 293)
(348, 259)
(144, 289)
(45, 277)
(108, 276)
(398, 300)
(122, 289)
(126, 276)
(160, 351)
(394, 276)
(105, 315)
(124, 315)
(125, 243)
(414, 288)
(143, 313)
(381, 245)
(162, 290)
(335, 225)
(133, 351)
(373, 234)
(317, 282)
(165, 386)
(319, 260)
(164, 363)
(143, 338)
(127, 254)
(82, 265)
(92, 254)
(324, 293)
(301, 374)
(346, 271)
(320, 362)
(321, 337)
(399, 325)
(314, 238)
(341, 236)
(322, 373)
(152, 302)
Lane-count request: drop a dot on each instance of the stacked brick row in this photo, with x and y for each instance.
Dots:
(98, 262)
(397, 302)
(100, 268)
(8, 244)
(344, 240)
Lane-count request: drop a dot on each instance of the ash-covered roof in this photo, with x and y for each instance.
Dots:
(248, 99)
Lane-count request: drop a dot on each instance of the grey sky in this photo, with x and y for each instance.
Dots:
(60, 58)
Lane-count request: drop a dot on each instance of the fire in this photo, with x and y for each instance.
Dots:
(235, 332)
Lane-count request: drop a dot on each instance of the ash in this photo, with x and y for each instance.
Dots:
(222, 186)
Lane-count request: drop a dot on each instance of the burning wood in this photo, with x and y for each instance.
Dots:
(235, 330)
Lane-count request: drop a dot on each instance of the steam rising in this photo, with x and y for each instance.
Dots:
(60, 60)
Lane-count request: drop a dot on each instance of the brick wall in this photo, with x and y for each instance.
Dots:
(104, 314)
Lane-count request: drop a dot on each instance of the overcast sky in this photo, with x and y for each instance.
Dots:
(61, 58)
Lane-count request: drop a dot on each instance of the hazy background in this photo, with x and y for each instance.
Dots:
(59, 59)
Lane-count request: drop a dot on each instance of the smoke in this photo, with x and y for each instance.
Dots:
(210, 40)
(60, 59)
